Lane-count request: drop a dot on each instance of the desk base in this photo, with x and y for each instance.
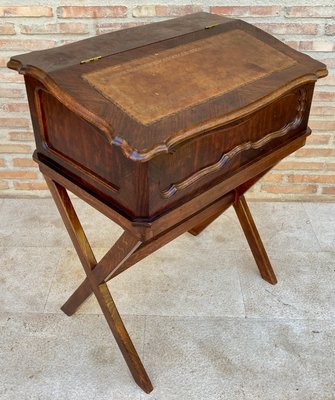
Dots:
(129, 249)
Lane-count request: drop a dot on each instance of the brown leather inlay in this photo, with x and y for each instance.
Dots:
(156, 86)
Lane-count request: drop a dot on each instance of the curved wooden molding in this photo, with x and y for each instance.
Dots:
(226, 158)
(144, 155)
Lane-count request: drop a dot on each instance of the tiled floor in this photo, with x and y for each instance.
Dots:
(205, 324)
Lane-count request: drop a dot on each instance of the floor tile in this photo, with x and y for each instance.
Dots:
(283, 226)
(68, 276)
(219, 358)
(100, 230)
(173, 281)
(305, 287)
(322, 216)
(52, 357)
(25, 277)
(31, 222)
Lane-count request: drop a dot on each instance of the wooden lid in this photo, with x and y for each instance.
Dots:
(155, 86)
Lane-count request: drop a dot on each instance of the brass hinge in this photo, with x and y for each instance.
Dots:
(90, 59)
(211, 26)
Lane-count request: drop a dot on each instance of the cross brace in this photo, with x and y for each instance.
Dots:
(130, 249)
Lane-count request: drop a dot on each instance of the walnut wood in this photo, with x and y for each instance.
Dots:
(196, 230)
(146, 230)
(178, 162)
(137, 190)
(232, 181)
(146, 248)
(101, 291)
(151, 99)
(77, 298)
(159, 168)
(138, 141)
(254, 240)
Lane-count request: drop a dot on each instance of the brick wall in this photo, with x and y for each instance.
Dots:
(305, 25)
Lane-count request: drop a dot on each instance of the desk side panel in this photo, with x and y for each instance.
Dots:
(81, 151)
(202, 162)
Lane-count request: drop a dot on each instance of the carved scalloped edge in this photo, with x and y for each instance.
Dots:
(226, 158)
(144, 155)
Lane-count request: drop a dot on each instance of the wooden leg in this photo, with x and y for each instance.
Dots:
(84, 290)
(254, 240)
(123, 248)
(82, 293)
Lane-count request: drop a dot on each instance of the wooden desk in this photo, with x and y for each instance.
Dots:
(162, 128)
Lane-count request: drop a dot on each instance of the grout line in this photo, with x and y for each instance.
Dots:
(242, 294)
(144, 333)
(229, 318)
(270, 251)
(52, 279)
(1, 203)
(312, 226)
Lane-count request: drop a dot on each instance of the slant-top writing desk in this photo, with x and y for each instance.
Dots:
(162, 128)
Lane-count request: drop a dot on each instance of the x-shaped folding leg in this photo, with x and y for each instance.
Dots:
(129, 249)
(122, 249)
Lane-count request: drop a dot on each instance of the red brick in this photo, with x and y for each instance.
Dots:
(3, 62)
(330, 62)
(7, 29)
(30, 185)
(11, 76)
(292, 43)
(165, 10)
(15, 148)
(290, 189)
(11, 93)
(322, 110)
(328, 80)
(314, 152)
(317, 45)
(14, 122)
(25, 11)
(324, 96)
(21, 136)
(115, 26)
(328, 190)
(301, 165)
(331, 166)
(2, 162)
(288, 28)
(310, 11)
(26, 44)
(57, 28)
(246, 11)
(330, 29)
(24, 162)
(321, 125)
(271, 177)
(311, 178)
(17, 174)
(15, 107)
(3, 185)
(92, 11)
(318, 139)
